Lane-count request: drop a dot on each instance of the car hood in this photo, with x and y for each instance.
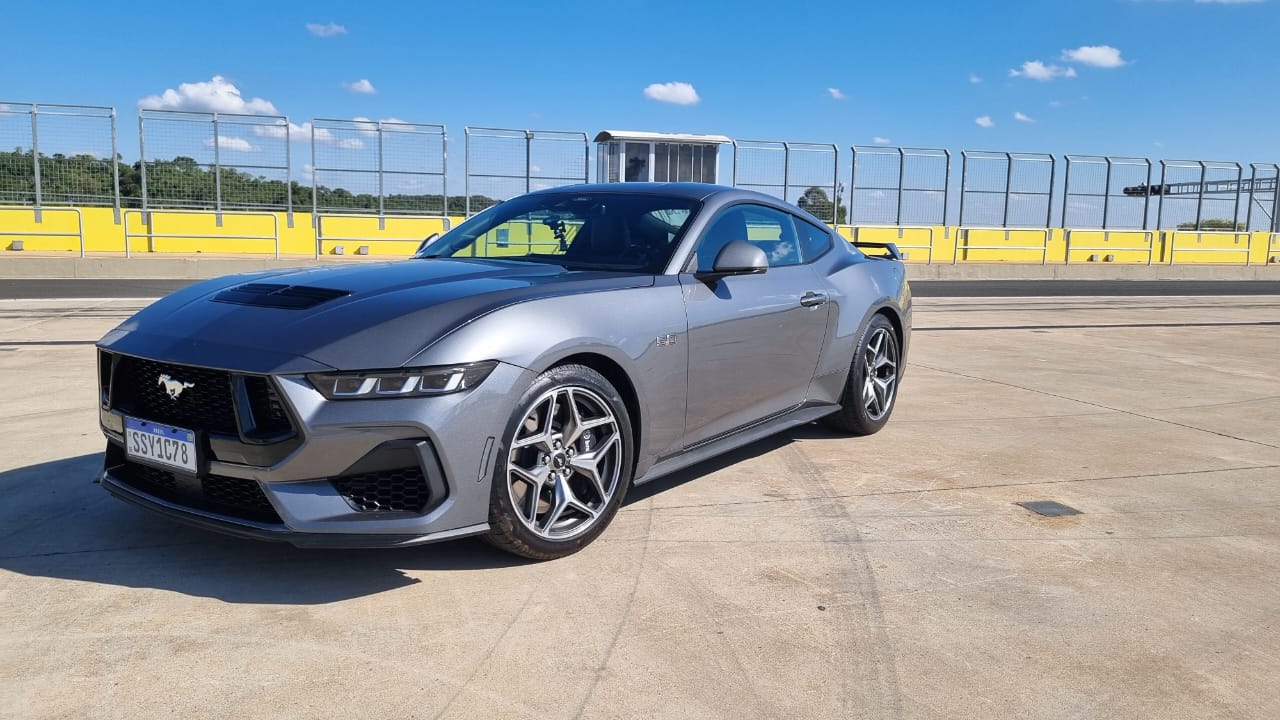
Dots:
(377, 315)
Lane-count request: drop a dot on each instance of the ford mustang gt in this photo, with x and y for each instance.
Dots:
(512, 379)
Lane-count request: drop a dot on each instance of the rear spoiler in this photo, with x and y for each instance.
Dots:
(893, 253)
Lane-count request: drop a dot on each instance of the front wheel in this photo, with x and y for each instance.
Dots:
(567, 468)
(872, 387)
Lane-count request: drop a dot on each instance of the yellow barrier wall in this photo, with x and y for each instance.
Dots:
(191, 232)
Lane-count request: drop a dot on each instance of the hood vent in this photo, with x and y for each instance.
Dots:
(275, 295)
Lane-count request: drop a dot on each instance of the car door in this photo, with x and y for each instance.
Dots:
(753, 340)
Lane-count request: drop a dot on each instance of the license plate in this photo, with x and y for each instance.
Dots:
(162, 444)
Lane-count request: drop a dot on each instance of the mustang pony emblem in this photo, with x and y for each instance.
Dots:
(174, 387)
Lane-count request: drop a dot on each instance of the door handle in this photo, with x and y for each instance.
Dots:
(813, 299)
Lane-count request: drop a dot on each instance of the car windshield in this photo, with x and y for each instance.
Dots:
(623, 232)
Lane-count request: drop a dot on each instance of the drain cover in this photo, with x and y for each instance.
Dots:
(1049, 508)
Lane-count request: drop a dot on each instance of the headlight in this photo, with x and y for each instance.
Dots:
(405, 382)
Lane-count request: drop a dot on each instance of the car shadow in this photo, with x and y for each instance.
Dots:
(58, 523)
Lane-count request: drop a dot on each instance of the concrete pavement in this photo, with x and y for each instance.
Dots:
(808, 575)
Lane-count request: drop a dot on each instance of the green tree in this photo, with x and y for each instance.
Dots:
(817, 202)
(1214, 224)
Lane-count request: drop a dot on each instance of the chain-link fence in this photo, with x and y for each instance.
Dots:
(1264, 197)
(505, 162)
(1200, 195)
(1006, 189)
(54, 155)
(218, 161)
(1094, 196)
(379, 167)
(899, 186)
(802, 173)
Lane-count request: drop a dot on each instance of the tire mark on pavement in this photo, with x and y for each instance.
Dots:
(881, 695)
(466, 683)
(622, 620)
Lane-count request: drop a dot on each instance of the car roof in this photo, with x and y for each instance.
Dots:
(692, 190)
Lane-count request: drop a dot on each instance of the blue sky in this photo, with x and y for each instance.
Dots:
(1155, 78)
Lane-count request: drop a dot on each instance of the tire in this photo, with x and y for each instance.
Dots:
(565, 465)
(871, 391)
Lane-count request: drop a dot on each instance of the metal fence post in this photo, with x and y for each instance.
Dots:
(902, 169)
(1235, 218)
(1066, 196)
(1106, 197)
(1146, 200)
(946, 187)
(786, 169)
(444, 180)
(115, 167)
(1048, 205)
(528, 159)
(142, 164)
(1008, 187)
(836, 190)
(382, 218)
(964, 181)
(1204, 175)
(1164, 175)
(217, 172)
(315, 196)
(35, 158)
(288, 177)
(466, 179)
(734, 181)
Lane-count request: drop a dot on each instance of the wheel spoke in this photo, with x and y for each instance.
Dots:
(588, 464)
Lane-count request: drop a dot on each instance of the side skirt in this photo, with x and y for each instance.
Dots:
(745, 436)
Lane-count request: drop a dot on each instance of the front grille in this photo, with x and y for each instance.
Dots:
(138, 390)
(399, 490)
(234, 497)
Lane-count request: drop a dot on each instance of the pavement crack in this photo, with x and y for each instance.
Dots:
(1100, 405)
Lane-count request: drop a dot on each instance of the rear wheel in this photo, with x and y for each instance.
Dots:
(872, 387)
(567, 466)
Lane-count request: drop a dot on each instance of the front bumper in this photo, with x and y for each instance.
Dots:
(453, 438)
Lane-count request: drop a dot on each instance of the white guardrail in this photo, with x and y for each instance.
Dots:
(854, 231)
(963, 244)
(78, 234)
(1148, 247)
(151, 235)
(1172, 236)
(321, 237)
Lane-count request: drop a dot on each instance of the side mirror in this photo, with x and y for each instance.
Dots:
(737, 258)
(426, 242)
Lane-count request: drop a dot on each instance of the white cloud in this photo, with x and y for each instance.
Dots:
(535, 169)
(1036, 70)
(985, 121)
(835, 93)
(362, 86)
(882, 140)
(1056, 104)
(1102, 56)
(351, 144)
(368, 126)
(216, 95)
(297, 133)
(677, 93)
(326, 30)
(1023, 117)
(975, 78)
(236, 144)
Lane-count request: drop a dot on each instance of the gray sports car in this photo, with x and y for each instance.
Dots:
(513, 379)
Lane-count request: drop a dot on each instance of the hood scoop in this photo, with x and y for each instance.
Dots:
(276, 295)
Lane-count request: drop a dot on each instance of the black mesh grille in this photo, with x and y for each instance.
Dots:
(400, 490)
(139, 390)
(235, 497)
(269, 415)
(238, 495)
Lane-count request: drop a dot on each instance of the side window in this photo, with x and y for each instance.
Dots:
(769, 229)
(813, 240)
